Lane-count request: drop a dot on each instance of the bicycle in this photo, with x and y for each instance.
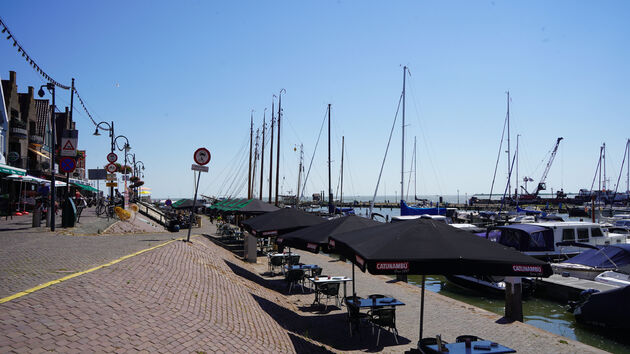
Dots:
(105, 207)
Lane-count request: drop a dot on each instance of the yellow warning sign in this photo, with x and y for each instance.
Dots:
(111, 184)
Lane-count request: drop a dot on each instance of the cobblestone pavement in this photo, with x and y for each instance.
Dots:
(445, 316)
(32, 256)
(182, 297)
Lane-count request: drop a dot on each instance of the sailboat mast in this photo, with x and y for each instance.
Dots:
(509, 182)
(402, 166)
(262, 155)
(251, 141)
(299, 174)
(256, 157)
(278, 155)
(516, 189)
(330, 194)
(628, 167)
(271, 149)
(415, 169)
(604, 165)
(341, 193)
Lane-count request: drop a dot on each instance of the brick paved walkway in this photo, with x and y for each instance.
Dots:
(178, 298)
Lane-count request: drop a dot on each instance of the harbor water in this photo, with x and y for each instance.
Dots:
(544, 314)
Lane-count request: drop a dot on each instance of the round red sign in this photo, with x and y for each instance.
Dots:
(111, 157)
(201, 156)
(111, 168)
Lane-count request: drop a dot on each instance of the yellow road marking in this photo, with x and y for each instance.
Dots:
(45, 285)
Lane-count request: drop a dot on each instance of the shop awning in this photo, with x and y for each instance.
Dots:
(11, 170)
(85, 187)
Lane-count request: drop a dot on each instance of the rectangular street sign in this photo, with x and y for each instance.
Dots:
(111, 177)
(69, 142)
(111, 184)
(97, 173)
(199, 168)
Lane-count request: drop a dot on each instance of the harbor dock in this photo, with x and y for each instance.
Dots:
(563, 289)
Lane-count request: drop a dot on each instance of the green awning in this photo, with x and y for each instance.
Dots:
(86, 187)
(12, 170)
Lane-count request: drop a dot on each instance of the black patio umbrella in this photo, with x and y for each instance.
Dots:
(280, 222)
(315, 238)
(428, 247)
(255, 207)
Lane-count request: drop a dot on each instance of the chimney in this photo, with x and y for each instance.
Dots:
(12, 77)
(31, 92)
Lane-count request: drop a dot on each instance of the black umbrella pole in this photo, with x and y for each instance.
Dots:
(421, 311)
(354, 293)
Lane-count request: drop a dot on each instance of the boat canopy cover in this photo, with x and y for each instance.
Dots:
(609, 309)
(407, 210)
(526, 237)
(619, 254)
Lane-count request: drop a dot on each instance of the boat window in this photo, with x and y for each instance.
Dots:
(568, 235)
(510, 238)
(582, 234)
(596, 232)
(536, 242)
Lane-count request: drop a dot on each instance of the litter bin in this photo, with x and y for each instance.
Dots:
(37, 217)
(68, 213)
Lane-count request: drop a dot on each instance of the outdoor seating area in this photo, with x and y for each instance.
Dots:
(228, 230)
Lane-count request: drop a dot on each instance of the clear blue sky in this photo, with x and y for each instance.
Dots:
(175, 76)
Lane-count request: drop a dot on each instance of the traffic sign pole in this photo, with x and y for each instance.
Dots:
(192, 213)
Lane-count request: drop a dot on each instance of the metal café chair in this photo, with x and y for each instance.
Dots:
(384, 317)
(275, 261)
(329, 290)
(294, 277)
(355, 316)
(464, 337)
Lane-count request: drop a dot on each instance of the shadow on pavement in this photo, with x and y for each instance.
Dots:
(277, 285)
(304, 346)
(329, 329)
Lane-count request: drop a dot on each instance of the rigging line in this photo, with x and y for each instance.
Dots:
(496, 166)
(385, 157)
(349, 171)
(623, 162)
(239, 171)
(425, 140)
(226, 173)
(314, 150)
(507, 184)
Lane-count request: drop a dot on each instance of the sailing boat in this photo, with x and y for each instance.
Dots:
(404, 208)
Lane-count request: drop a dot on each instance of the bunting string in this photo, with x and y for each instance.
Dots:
(31, 62)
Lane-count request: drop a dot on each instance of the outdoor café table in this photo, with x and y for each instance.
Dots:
(284, 257)
(380, 302)
(309, 267)
(317, 281)
(479, 346)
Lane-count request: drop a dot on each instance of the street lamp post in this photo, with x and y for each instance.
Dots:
(136, 169)
(126, 149)
(110, 129)
(51, 207)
